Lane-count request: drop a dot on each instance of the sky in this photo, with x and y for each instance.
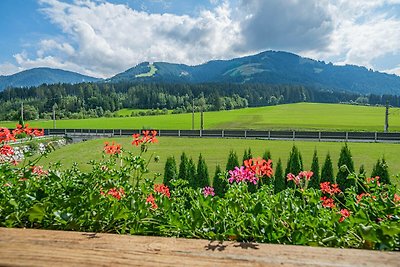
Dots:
(104, 37)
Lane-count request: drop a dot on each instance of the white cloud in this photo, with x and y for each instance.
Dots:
(107, 38)
(102, 39)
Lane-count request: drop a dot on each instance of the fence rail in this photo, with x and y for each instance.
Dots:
(270, 135)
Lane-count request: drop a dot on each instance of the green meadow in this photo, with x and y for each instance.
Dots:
(299, 116)
(216, 152)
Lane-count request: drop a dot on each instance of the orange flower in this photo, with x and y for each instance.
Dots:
(150, 199)
(112, 149)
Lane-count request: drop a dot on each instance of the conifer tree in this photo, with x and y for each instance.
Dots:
(315, 179)
(202, 179)
(220, 183)
(381, 169)
(295, 162)
(345, 159)
(267, 155)
(327, 174)
(192, 173)
(170, 172)
(279, 178)
(362, 171)
(183, 168)
(233, 161)
(246, 155)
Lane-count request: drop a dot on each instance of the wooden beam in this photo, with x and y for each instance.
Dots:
(30, 247)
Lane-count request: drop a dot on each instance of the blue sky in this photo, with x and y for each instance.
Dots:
(104, 37)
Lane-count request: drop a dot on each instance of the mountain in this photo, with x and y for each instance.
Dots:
(272, 67)
(38, 76)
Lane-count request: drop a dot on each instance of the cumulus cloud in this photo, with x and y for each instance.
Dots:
(285, 25)
(107, 38)
(101, 39)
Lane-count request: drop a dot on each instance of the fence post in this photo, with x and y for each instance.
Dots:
(120, 132)
(179, 133)
(319, 136)
(347, 136)
(294, 135)
(376, 137)
(269, 135)
(222, 133)
(159, 132)
(245, 134)
(201, 132)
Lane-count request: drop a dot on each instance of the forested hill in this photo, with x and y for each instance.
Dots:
(38, 76)
(102, 99)
(269, 67)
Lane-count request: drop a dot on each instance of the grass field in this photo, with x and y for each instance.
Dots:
(128, 111)
(300, 116)
(216, 152)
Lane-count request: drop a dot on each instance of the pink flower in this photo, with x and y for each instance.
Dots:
(208, 191)
(242, 174)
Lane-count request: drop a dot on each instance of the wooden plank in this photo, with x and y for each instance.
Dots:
(30, 247)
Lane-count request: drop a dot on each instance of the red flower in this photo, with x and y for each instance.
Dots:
(114, 192)
(396, 198)
(136, 140)
(112, 149)
(327, 202)
(150, 199)
(38, 170)
(6, 135)
(6, 150)
(327, 188)
(259, 166)
(345, 214)
(162, 189)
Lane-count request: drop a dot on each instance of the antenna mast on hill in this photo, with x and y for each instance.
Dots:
(386, 128)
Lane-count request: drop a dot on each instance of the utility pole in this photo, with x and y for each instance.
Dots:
(202, 119)
(54, 116)
(386, 128)
(193, 114)
(22, 112)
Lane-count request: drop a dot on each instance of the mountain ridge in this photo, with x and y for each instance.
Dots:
(268, 67)
(43, 75)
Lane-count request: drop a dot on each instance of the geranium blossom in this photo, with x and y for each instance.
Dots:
(328, 188)
(345, 214)
(38, 170)
(6, 135)
(373, 180)
(302, 176)
(242, 174)
(114, 192)
(208, 191)
(6, 150)
(162, 189)
(148, 137)
(112, 149)
(327, 202)
(151, 200)
(259, 166)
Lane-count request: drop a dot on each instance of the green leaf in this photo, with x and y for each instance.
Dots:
(36, 212)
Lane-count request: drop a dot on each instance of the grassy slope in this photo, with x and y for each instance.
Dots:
(301, 116)
(216, 151)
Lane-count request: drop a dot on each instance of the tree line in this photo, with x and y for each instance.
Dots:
(88, 100)
(198, 177)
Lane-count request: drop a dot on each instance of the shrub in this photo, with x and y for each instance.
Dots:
(220, 182)
(279, 178)
(247, 154)
(183, 168)
(345, 167)
(315, 179)
(327, 174)
(381, 169)
(294, 164)
(233, 161)
(202, 178)
(170, 172)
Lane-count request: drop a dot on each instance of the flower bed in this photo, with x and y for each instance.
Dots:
(118, 196)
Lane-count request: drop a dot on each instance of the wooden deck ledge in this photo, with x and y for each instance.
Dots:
(30, 247)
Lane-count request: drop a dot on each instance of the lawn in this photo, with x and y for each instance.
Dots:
(300, 116)
(216, 151)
